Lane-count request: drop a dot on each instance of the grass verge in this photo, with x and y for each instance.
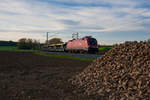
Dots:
(105, 48)
(60, 56)
(8, 48)
(14, 48)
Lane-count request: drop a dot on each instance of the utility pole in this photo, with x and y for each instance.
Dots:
(47, 38)
(75, 35)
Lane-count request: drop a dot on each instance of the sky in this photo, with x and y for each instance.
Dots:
(109, 21)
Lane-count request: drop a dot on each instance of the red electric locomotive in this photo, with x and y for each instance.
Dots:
(86, 44)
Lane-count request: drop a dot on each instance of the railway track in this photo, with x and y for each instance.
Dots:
(94, 56)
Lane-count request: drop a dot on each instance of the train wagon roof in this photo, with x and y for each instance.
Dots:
(81, 38)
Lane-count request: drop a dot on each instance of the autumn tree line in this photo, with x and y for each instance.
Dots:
(25, 43)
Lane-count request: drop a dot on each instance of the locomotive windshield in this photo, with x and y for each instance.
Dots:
(93, 42)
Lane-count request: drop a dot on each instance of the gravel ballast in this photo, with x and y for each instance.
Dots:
(122, 73)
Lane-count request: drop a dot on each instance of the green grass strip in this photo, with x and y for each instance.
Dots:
(14, 48)
(19, 50)
(8, 48)
(104, 48)
(64, 57)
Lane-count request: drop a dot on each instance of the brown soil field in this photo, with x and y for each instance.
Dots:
(26, 76)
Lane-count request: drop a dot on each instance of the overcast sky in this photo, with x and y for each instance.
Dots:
(109, 21)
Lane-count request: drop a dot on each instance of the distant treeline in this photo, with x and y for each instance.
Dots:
(8, 43)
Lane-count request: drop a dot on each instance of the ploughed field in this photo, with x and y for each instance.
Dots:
(26, 76)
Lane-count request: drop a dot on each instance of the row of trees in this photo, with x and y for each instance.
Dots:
(25, 43)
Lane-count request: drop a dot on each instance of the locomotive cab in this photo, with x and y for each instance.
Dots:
(92, 45)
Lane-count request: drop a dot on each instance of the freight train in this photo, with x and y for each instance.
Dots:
(83, 45)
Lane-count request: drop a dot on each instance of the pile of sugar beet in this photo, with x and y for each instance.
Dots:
(122, 73)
